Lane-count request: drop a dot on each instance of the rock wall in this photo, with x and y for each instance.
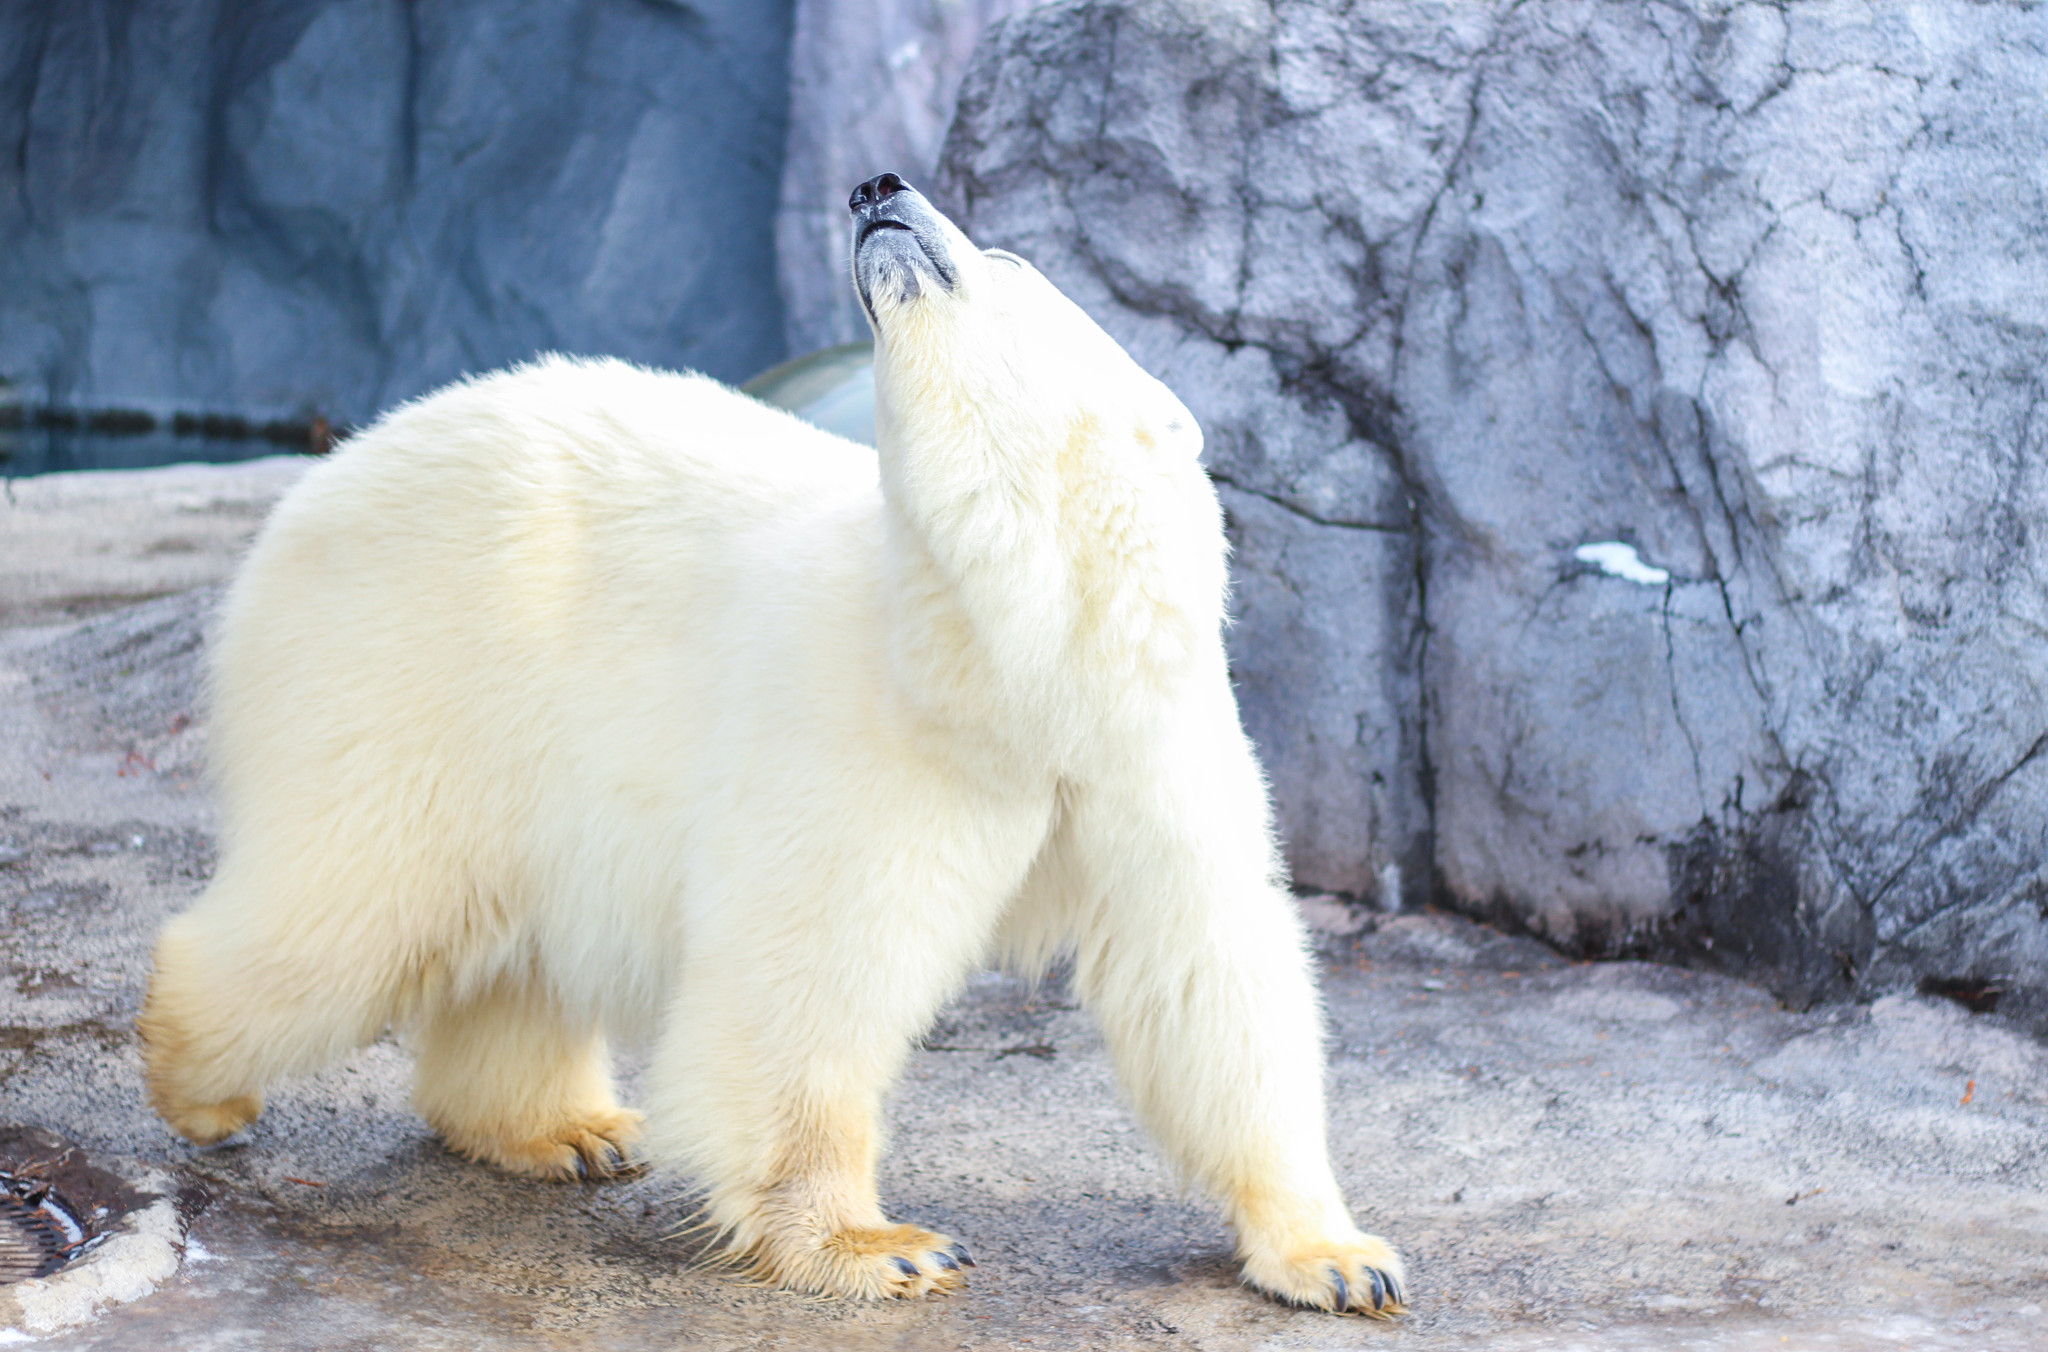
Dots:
(331, 205)
(1630, 419)
(871, 90)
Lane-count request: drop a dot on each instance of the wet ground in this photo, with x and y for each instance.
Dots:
(35, 448)
(1573, 1156)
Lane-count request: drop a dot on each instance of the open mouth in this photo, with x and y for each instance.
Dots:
(871, 227)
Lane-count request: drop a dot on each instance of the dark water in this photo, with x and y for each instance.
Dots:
(25, 451)
(834, 388)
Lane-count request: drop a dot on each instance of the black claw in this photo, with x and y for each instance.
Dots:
(959, 1251)
(1395, 1296)
(1343, 1291)
(945, 1260)
(1379, 1288)
(583, 1168)
(905, 1266)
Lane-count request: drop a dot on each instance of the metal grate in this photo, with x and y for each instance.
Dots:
(38, 1232)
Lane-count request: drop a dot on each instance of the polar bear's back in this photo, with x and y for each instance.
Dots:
(497, 615)
(548, 508)
(612, 443)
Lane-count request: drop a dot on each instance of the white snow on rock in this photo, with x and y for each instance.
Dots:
(1621, 560)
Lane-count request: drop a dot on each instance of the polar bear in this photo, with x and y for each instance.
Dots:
(582, 699)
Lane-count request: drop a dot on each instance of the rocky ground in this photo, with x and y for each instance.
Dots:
(1585, 1156)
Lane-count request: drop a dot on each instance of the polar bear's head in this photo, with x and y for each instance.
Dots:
(975, 349)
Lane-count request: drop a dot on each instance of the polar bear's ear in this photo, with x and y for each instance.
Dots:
(1004, 256)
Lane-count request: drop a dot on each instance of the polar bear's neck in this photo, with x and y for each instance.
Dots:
(1050, 569)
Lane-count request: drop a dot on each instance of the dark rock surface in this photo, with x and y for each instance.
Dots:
(1752, 294)
(331, 205)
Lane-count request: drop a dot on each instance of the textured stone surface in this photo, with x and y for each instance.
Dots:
(77, 544)
(1756, 290)
(871, 90)
(331, 205)
(1604, 1157)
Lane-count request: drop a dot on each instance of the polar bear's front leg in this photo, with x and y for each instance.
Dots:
(788, 1027)
(507, 1078)
(782, 1122)
(1192, 958)
(815, 1223)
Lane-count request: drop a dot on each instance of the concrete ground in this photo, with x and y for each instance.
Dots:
(1573, 1156)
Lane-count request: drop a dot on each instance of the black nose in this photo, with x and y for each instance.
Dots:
(877, 189)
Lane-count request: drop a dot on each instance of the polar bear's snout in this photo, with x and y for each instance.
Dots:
(900, 244)
(877, 190)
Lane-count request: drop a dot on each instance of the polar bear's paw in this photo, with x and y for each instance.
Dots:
(591, 1146)
(892, 1262)
(208, 1123)
(1364, 1276)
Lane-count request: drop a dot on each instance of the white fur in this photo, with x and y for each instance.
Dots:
(584, 698)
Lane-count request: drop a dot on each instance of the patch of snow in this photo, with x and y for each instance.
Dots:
(1616, 559)
(138, 1256)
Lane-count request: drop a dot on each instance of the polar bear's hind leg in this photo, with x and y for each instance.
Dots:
(507, 1078)
(201, 1077)
(234, 1005)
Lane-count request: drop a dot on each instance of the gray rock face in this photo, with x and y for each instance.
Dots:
(871, 90)
(332, 205)
(1754, 295)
